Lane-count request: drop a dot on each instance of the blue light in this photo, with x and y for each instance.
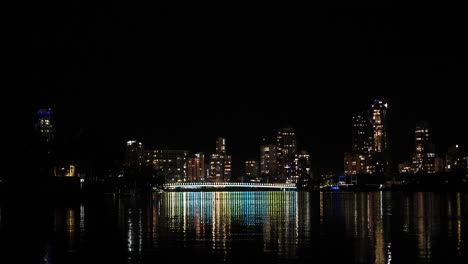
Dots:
(335, 187)
(44, 112)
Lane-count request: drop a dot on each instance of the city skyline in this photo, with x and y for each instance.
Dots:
(322, 155)
(166, 77)
(316, 156)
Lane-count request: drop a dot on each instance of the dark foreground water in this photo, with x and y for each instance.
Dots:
(239, 227)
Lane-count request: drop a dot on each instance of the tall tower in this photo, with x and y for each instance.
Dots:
(196, 167)
(380, 136)
(286, 149)
(361, 157)
(268, 162)
(362, 134)
(134, 153)
(44, 125)
(221, 145)
(302, 168)
(421, 141)
(220, 163)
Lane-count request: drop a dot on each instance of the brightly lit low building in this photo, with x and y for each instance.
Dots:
(65, 171)
(405, 168)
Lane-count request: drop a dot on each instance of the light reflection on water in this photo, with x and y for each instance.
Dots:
(241, 227)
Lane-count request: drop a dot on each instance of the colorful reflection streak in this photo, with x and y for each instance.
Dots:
(225, 219)
(245, 227)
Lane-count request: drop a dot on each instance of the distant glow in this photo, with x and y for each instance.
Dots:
(456, 146)
(82, 180)
(386, 105)
(44, 112)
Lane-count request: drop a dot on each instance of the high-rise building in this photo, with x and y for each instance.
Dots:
(302, 168)
(220, 163)
(221, 145)
(362, 134)
(171, 163)
(421, 135)
(268, 163)
(44, 126)
(362, 138)
(220, 168)
(286, 149)
(429, 159)
(453, 158)
(251, 169)
(380, 153)
(196, 167)
(134, 153)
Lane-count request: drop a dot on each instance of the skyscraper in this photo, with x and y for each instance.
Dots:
(286, 149)
(220, 168)
(421, 140)
(196, 167)
(380, 153)
(221, 145)
(134, 153)
(360, 159)
(268, 162)
(44, 126)
(302, 168)
(362, 134)
(220, 163)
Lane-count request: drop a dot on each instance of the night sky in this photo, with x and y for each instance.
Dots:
(178, 76)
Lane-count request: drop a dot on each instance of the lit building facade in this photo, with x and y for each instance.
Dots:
(196, 167)
(355, 164)
(251, 169)
(173, 164)
(65, 171)
(134, 153)
(302, 168)
(221, 145)
(44, 126)
(380, 154)
(362, 138)
(429, 159)
(268, 162)
(421, 135)
(220, 168)
(362, 134)
(405, 168)
(286, 150)
(220, 163)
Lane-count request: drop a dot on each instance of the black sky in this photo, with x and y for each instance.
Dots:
(178, 76)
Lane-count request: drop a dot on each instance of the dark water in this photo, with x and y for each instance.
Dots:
(239, 227)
